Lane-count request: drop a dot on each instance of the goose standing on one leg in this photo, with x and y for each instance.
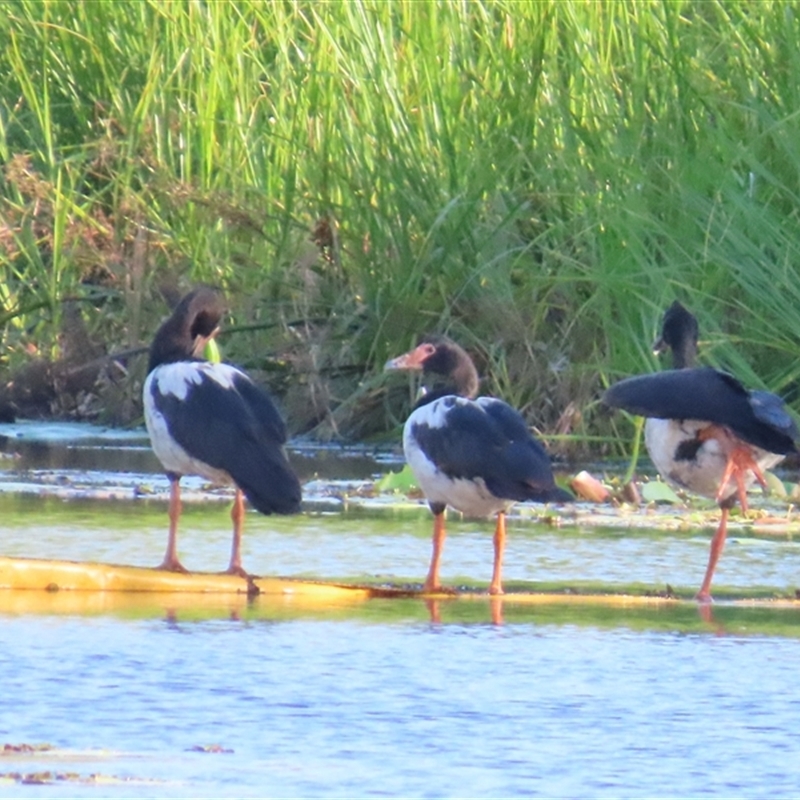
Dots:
(210, 419)
(704, 431)
(477, 456)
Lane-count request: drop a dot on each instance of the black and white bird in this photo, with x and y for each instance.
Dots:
(211, 419)
(476, 455)
(704, 431)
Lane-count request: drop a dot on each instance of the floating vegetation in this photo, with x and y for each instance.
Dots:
(209, 748)
(54, 776)
(16, 749)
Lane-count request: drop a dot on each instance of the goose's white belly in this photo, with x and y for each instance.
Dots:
(171, 455)
(702, 473)
(470, 496)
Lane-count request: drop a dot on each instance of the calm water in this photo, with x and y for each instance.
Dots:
(370, 708)
(376, 698)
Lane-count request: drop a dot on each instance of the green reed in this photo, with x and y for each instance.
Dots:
(538, 179)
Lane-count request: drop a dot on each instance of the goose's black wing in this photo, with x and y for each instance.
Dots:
(488, 439)
(758, 418)
(226, 421)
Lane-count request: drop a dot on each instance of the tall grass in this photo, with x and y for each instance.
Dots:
(538, 179)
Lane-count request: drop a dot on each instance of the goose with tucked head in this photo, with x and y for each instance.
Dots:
(210, 419)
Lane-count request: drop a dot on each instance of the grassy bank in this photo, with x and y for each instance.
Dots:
(538, 179)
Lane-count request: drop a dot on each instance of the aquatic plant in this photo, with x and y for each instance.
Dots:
(539, 180)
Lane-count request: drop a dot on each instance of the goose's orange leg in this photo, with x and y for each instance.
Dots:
(740, 460)
(171, 561)
(717, 544)
(237, 517)
(496, 586)
(432, 583)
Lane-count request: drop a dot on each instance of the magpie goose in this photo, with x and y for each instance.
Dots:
(704, 431)
(476, 455)
(210, 419)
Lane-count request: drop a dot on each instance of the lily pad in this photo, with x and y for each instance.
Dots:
(775, 485)
(402, 481)
(658, 492)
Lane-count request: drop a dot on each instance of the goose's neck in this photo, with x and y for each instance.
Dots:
(462, 382)
(464, 379)
(684, 355)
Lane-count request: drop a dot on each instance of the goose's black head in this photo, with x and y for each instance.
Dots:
(440, 357)
(194, 321)
(679, 332)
